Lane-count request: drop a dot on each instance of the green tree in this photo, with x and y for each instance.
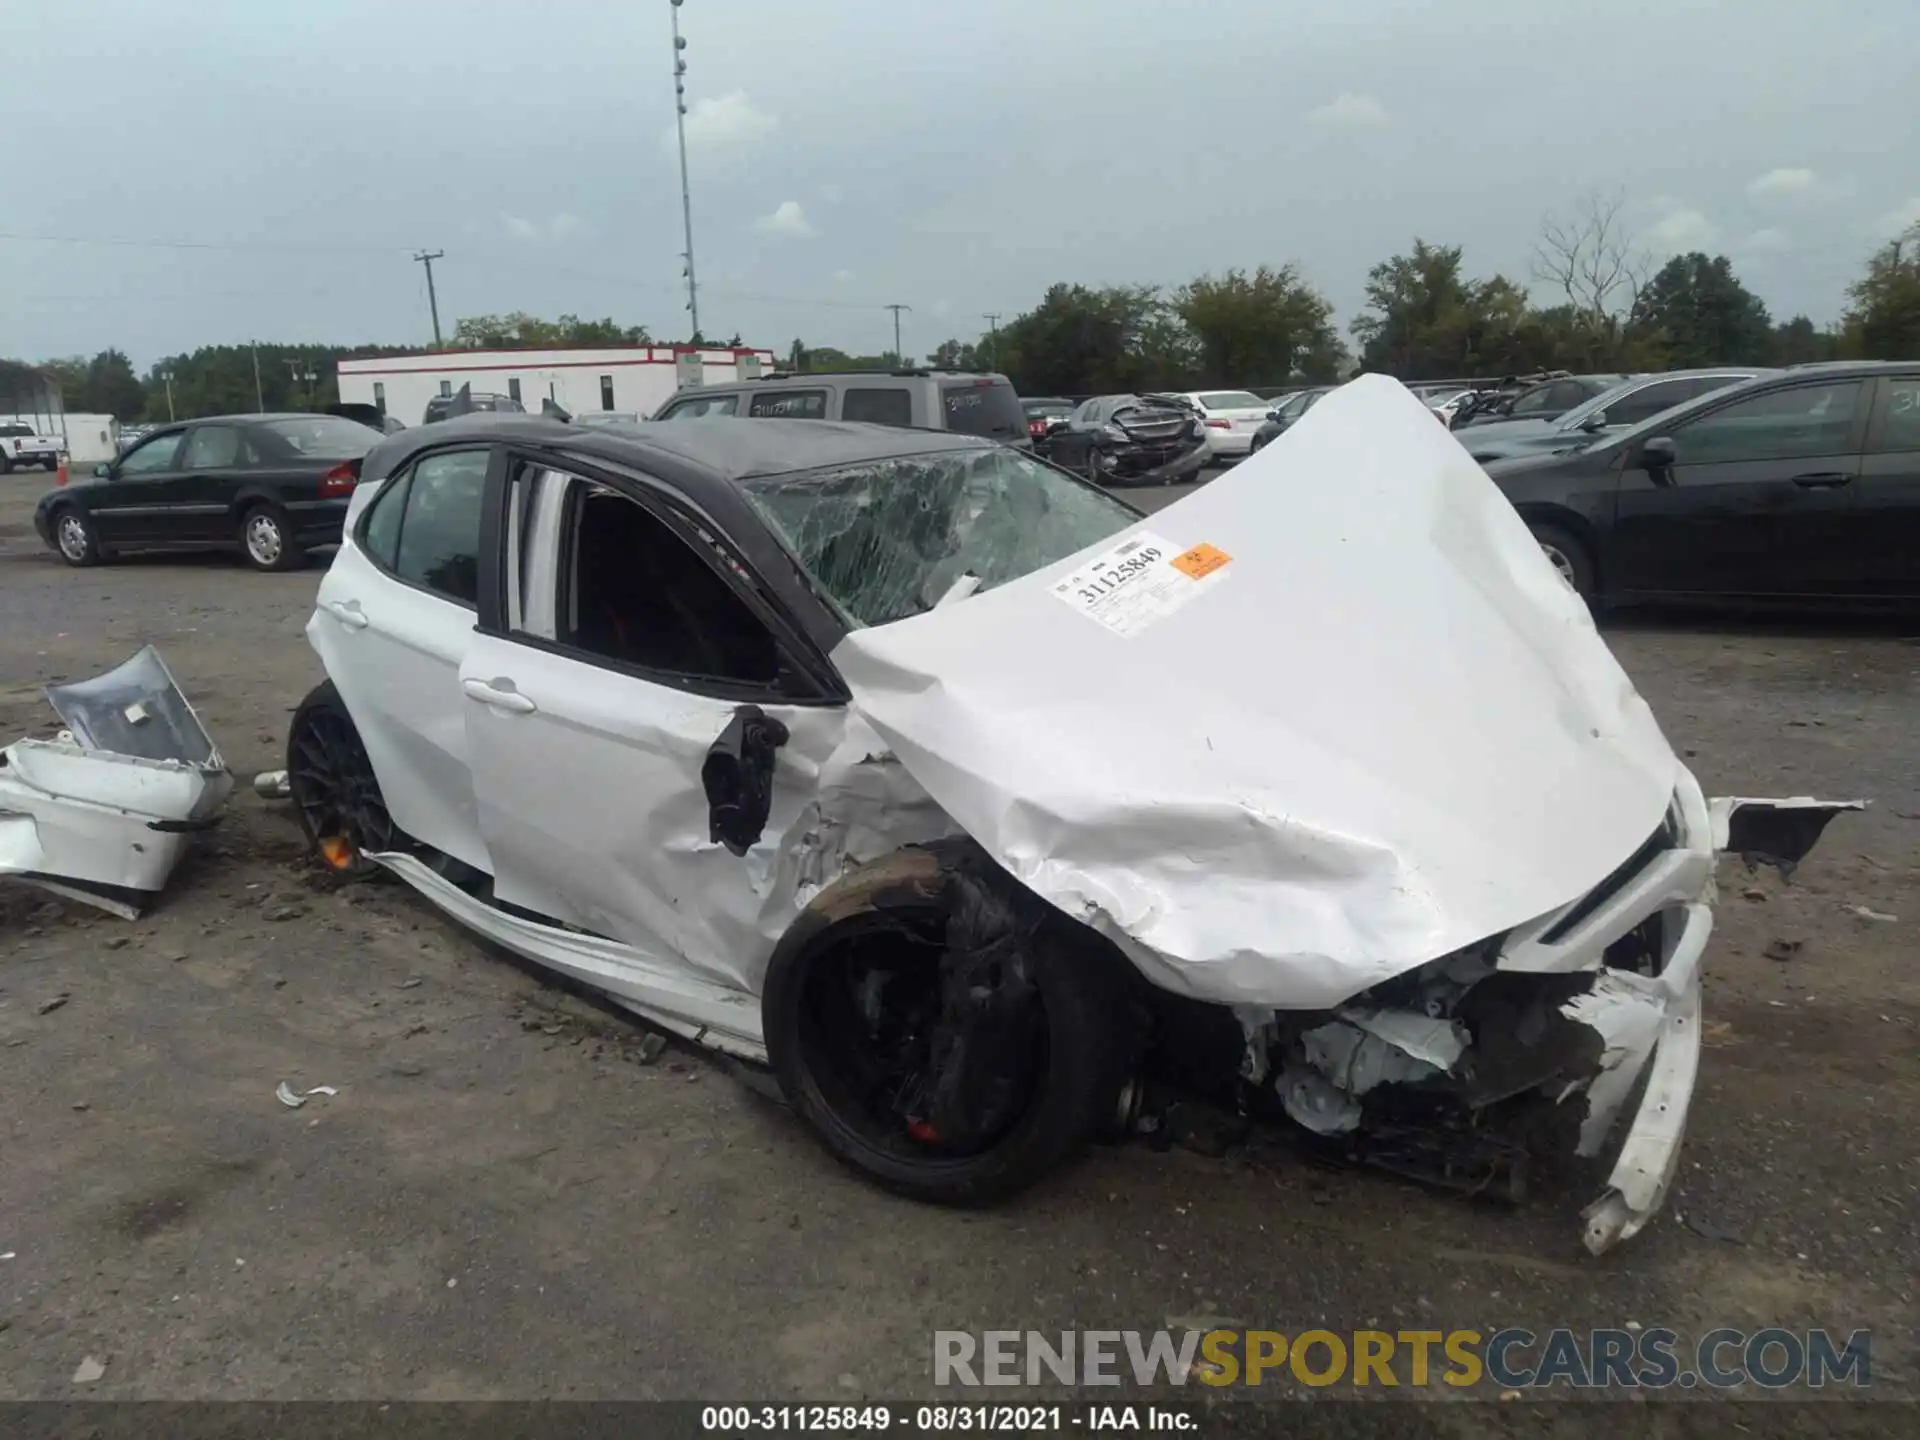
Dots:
(1080, 341)
(1883, 320)
(1258, 329)
(1426, 321)
(1799, 342)
(518, 330)
(1698, 312)
(955, 355)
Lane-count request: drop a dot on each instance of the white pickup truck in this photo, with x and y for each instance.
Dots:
(21, 444)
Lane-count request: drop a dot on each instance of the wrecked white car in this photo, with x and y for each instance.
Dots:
(962, 794)
(103, 812)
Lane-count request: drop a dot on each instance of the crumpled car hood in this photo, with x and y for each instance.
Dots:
(1373, 727)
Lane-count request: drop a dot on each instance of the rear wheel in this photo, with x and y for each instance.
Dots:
(954, 1040)
(333, 787)
(266, 539)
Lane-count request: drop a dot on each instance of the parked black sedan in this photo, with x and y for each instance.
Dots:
(271, 487)
(1286, 410)
(1139, 439)
(1803, 484)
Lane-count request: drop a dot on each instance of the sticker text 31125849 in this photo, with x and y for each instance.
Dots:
(1142, 580)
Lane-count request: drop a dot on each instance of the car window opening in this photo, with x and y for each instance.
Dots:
(639, 594)
(890, 538)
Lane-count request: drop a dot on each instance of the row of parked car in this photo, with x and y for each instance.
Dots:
(1727, 481)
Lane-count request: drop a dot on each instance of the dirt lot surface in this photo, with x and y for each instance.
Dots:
(502, 1201)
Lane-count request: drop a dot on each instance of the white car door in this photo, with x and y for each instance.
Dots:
(393, 622)
(626, 654)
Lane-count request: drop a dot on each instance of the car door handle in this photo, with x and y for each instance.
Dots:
(1822, 479)
(347, 612)
(508, 699)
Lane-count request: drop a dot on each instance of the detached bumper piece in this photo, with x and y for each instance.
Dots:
(103, 813)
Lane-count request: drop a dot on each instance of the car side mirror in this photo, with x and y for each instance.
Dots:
(1657, 456)
(103, 471)
(1595, 423)
(738, 778)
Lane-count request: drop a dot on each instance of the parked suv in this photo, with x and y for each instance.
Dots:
(962, 401)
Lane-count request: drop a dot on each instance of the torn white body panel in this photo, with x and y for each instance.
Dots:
(1385, 731)
(103, 814)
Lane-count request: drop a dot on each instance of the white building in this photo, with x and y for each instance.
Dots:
(635, 379)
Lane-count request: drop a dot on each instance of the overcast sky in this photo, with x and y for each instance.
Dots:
(845, 154)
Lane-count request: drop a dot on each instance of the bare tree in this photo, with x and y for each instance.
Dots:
(1593, 260)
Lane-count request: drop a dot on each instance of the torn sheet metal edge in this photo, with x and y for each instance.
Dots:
(1777, 831)
(137, 708)
(669, 996)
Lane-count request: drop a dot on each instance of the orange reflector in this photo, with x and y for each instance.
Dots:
(337, 851)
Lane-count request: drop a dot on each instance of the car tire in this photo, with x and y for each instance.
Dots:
(266, 539)
(6, 464)
(1079, 1027)
(75, 537)
(1569, 555)
(336, 796)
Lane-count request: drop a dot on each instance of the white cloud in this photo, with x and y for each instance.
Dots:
(1766, 242)
(787, 219)
(723, 127)
(1782, 184)
(1350, 112)
(1681, 230)
(1896, 223)
(557, 228)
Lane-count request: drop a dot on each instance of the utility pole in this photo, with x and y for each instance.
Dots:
(898, 358)
(426, 258)
(993, 335)
(167, 375)
(686, 195)
(259, 404)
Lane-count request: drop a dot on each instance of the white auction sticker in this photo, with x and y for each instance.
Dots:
(1143, 580)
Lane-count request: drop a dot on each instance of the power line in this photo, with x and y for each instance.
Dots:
(130, 244)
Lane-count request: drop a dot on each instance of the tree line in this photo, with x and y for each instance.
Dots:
(1596, 303)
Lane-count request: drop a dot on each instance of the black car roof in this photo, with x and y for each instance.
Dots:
(725, 449)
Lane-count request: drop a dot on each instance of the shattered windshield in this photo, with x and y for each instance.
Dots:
(889, 538)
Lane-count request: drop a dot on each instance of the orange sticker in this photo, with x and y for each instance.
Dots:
(1200, 562)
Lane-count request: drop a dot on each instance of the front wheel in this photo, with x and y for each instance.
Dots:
(949, 1036)
(334, 790)
(77, 540)
(1569, 555)
(266, 539)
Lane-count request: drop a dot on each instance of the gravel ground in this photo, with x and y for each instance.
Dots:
(502, 1201)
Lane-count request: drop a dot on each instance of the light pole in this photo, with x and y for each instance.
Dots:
(686, 195)
(993, 335)
(167, 376)
(297, 371)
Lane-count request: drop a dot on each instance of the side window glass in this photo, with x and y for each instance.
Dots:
(439, 542)
(790, 405)
(212, 447)
(380, 531)
(633, 591)
(1780, 425)
(705, 407)
(892, 406)
(1899, 419)
(1534, 401)
(1649, 401)
(152, 456)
